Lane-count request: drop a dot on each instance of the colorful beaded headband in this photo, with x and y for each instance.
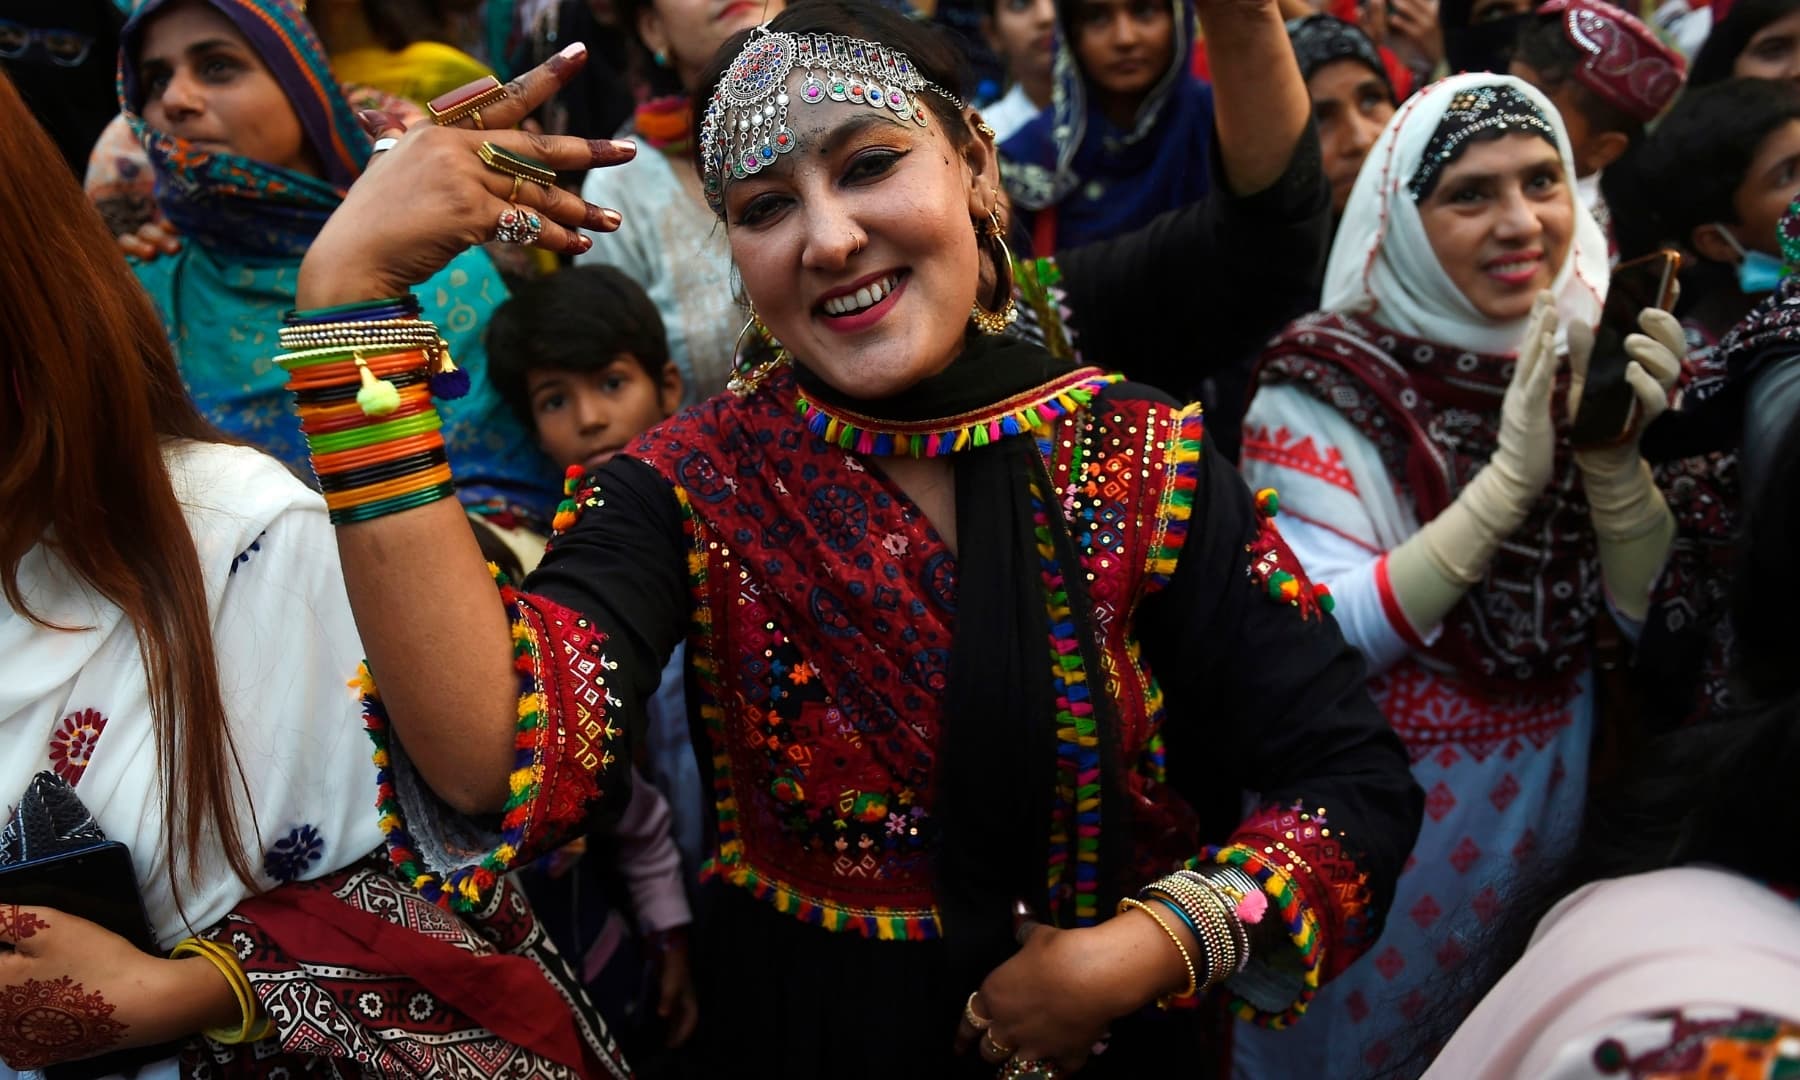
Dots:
(1481, 110)
(745, 125)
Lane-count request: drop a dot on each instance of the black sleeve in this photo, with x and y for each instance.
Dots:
(1194, 295)
(622, 567)
(1267, 696)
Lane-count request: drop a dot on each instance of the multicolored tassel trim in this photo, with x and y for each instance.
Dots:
(468, 887)
(1297, 917)
(1036, 408)
(729, 864)
(566, 512)
(1176, 506)
(1077, 739)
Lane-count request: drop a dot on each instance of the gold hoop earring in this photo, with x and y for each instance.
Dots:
(747, 377)
(995, 321)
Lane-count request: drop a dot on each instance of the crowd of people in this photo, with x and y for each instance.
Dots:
(847, 538)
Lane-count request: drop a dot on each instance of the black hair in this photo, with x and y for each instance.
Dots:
(657, 80)
(1547, 50)
(934, 55)
(1718, 57)
(1687, 172)
(580, 319)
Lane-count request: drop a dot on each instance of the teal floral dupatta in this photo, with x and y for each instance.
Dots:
(246, 224)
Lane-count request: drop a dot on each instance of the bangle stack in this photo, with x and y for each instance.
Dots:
(363, 378)
(255, 1026)
(1213, 908)
(1187, 959)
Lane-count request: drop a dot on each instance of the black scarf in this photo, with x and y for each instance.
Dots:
(997, 771)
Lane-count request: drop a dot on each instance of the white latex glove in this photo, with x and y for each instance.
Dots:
(1430, 571)
(1631, 519)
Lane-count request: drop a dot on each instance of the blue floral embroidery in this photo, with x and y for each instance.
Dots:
(294, 854)
(244, 555)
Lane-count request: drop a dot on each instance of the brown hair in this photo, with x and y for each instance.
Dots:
(88, 394)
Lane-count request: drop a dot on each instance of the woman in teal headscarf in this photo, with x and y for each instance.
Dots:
(254, 145)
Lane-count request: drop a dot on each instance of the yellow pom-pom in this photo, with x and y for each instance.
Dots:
(377, 397)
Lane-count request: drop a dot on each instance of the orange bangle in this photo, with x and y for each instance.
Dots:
(357, 418)
(345, 460)
(400, 485)
(350, 409)
(325, 376)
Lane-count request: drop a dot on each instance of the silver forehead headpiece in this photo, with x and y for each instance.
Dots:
(745, 125)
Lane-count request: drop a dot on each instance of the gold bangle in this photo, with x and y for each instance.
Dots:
(227, 964)
(1193, 984)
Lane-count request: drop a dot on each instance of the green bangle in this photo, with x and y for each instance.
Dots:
(353, 515)
(356, 438)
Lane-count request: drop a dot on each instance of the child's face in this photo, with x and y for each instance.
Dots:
(1769, 186)
(585, 417)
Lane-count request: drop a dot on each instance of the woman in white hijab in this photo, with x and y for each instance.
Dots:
(1416, 430)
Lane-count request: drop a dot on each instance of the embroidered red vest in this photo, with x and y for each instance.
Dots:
(823, 606)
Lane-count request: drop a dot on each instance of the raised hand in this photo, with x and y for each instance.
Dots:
(1526, 454)
(431, 196)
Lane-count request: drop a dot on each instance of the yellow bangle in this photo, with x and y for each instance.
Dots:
(227, 963)
(1193, 984)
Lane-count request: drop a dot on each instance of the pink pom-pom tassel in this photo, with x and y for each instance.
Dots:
(1253, 907)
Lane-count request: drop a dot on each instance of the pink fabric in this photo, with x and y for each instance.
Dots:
(1629, 947)
(650, 861)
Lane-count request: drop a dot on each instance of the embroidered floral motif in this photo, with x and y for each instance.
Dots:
(294, 854)
(72, 745)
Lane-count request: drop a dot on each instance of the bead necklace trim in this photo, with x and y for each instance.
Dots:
(1031, 410)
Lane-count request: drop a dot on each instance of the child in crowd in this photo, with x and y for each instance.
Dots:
(582, 358)
(1607, 73)
(1714, 179)
(1022, 34)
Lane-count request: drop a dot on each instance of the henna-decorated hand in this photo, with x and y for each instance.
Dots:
(431, 197)
(70, 989)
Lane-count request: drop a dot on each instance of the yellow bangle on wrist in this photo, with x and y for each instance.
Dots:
(255, 1026)
(1193, 984)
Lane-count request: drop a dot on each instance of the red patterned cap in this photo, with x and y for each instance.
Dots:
(1625, 64)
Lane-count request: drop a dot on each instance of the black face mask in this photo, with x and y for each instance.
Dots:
(62, 55)
(1483, 46)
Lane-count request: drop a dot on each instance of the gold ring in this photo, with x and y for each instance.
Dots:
(447, 109)
(975, 1019)
(990, 1047)
(475, 115)
(518, 182)
(500, 159)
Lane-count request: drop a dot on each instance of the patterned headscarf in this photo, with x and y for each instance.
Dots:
(1320, 39)
(1625, 64)
(232, 204)
(1102, 179)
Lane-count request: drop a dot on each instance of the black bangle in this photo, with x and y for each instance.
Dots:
(337, 395)
(386, 470)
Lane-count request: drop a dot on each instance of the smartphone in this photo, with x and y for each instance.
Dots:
(94, 883)
(1607, 400)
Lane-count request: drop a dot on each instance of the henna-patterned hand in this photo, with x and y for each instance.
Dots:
(17, 923)
(45, 1021)
(70, 989)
